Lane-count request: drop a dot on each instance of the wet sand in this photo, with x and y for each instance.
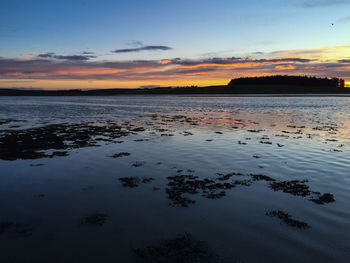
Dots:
(165, 179)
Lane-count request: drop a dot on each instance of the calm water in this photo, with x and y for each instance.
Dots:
(292, 138)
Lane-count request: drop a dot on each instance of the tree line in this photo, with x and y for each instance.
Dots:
(289, 80)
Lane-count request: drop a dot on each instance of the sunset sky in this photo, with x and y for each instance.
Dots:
(134, 43)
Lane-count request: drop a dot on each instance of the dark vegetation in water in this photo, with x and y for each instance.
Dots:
(138, 129)
(189, 184)
(4, 122)
(4, 225)
(323, 199)
(141, 140)
(187, 133)
(180, 187)
(33, 143)
(7, 121)
(97, 219)
(15, 229)
(134, 181)
(294, 187)
(265, 142)
(224, 177)
(130, 181)
(138, 164)
(183, 249)
(299, 188)
(167, 134)
(121, 154)
(255, 131)
(211, 188)
(261, 177)
(146, 180)
(288, 219)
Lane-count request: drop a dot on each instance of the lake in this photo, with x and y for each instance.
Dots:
(96, 179)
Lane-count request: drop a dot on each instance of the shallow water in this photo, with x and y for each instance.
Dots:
(285, 138)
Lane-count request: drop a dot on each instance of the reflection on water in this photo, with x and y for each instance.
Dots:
(258, 177)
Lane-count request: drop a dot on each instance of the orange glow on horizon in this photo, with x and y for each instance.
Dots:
(321, 54)
(113, 84)
(242, 64)
(106, 84)
(86, 72)
(164, 61)
(285, 67)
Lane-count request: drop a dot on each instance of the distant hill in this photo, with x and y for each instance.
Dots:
(252, 85)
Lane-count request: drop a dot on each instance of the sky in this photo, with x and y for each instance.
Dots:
(82, 44)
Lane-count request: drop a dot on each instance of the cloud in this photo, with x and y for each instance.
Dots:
(323, 3)
(29, 55)
(325, 53)
(75, 57)
(344, 19)
(47, 55)
(52, 55)
(137, 70)
(50, 66)
(143, 48)
(236, 61)
(135, 43)
(285, 67)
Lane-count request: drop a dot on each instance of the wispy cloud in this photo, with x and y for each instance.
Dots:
(224, 62)
(323, 3)
(135, 43)
(52, 55)
(344, 19)
(322, 53)
(47, 55)
(143, 48)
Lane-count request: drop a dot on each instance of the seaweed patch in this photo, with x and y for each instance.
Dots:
(288, 219)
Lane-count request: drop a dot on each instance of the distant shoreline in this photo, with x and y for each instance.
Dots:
(270, 95)
(270, 85)
(242, 90)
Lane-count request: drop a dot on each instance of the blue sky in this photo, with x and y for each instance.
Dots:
(193, 29)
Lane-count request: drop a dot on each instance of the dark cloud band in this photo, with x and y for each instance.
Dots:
(50, 66)
(52, 55)
(144, 48)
